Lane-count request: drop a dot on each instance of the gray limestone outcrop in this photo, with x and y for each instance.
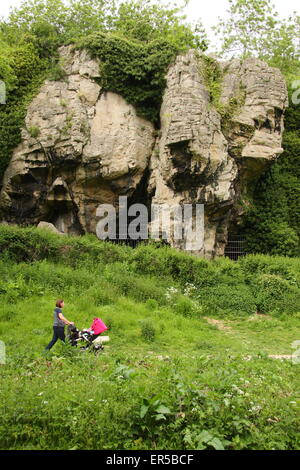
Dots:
(82, 147)
(79, 148)
(211, 154)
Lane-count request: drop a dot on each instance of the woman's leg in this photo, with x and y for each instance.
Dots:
(58, 333)
(53, 340)
(61, 333)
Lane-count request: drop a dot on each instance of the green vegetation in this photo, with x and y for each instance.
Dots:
(271, 224)
(168, 379)
(188, 363)
(242, 285)
(66, 129)
(23, 72)
(253, 28)
(34, 131)
(213, 75)
(133, 69)
(136, 41)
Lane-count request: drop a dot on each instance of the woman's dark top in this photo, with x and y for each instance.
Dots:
(57, 320)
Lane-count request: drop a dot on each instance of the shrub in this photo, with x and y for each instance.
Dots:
(34, 131)
(254, 265)
(275, 294)
(227, 300)
(28, 244)
(56, 73)
(146, 274)
(31, 244)
(187, 307)
(166, 262)
(140, 289)
(148, 330)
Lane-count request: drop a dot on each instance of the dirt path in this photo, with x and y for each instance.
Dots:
(218, 323)
(272, 356)
(228, 329)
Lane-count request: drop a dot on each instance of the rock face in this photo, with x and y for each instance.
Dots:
(210, 157)
(82, 147)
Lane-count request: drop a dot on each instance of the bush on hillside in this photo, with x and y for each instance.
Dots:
(220, 287)
(227, 300)
(275, 294)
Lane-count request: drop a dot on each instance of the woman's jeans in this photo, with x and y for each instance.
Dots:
(58, 333)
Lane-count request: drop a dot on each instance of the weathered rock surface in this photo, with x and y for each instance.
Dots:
(82, 147)
(50, 227)
(204, 157)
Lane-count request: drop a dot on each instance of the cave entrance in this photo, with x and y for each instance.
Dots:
(64, 217)
(139, 196)
(235, 247)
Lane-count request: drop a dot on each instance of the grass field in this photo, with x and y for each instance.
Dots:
(178, 372)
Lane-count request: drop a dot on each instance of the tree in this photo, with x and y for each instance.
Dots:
(59, 22)
(88, 16)
(148, 20)
(32, 12)
(254, 29)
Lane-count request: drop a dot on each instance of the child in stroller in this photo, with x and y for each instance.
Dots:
(88, 338)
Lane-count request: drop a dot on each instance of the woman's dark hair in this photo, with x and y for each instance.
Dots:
(58, 303)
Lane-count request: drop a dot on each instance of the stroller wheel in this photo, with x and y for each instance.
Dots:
(97, 348)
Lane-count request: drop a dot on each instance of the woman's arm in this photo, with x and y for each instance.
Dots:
(67, 322)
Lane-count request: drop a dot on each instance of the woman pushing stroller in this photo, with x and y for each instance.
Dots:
(88, 335)
(58, 324)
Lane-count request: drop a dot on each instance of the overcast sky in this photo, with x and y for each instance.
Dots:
(207, 10)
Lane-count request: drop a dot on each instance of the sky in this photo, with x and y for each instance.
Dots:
(207, 10)
(210, 10)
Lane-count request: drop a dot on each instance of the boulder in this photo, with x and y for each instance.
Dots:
(48, 226)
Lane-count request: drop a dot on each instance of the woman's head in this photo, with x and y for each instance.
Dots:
(60, 303)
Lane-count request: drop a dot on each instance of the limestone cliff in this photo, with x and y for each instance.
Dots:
(212, 156)
(82, 146)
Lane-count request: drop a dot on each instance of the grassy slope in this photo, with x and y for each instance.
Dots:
(192, 387)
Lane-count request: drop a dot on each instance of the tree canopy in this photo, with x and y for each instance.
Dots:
(62, 22)
(253, 28)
